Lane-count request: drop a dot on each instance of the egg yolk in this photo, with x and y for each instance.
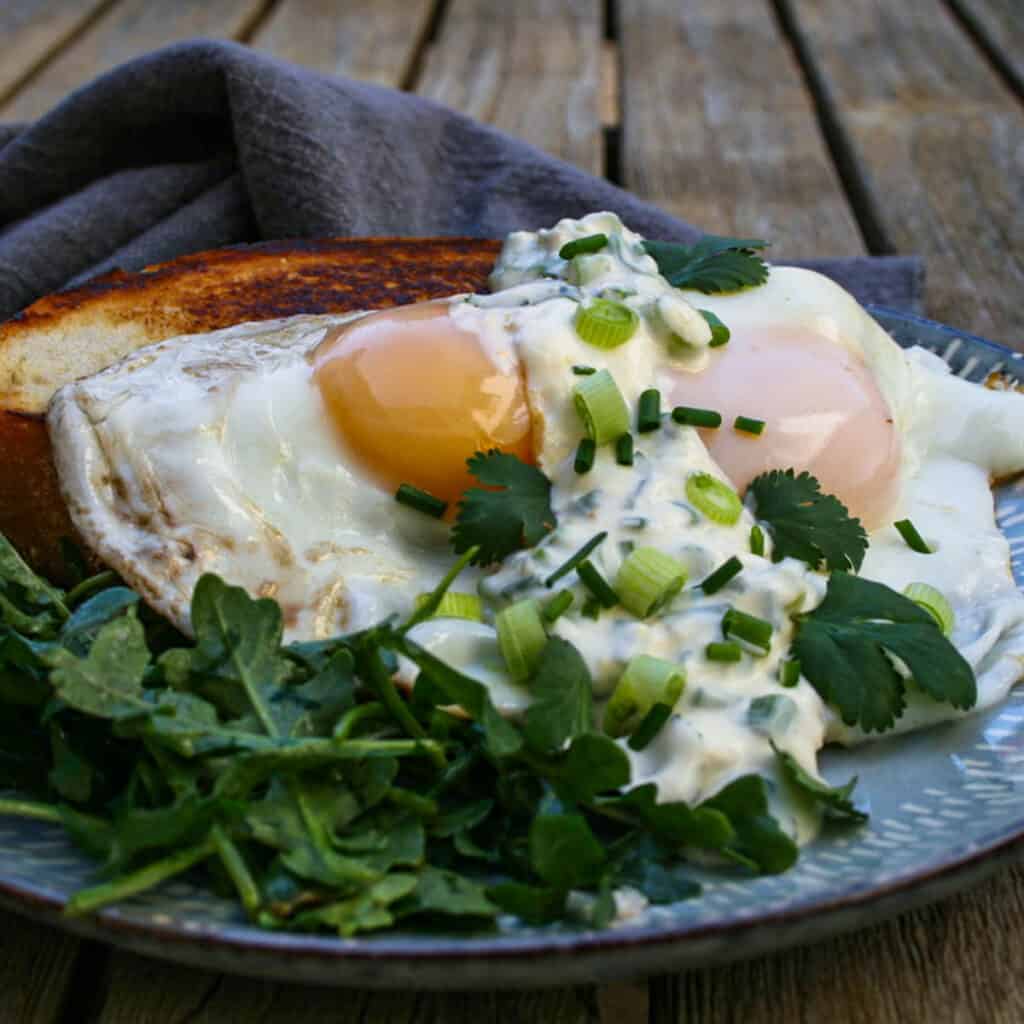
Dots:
(822, 409)
(414, 396)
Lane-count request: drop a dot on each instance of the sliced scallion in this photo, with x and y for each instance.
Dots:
(756, 540)
(601, 407)
(583, 371)
(717, 500)
(690, 417)
(606, 324)
(585, 452)
(455, 606)
(624, 450)
(648, 579)
(422, 501)
(645, 682)
(933, 601)
(650, 726)
(598, 586)
(521, 638)
(557, 606)
(723, 651)
(574, 560)
(914, 540)
(789, 672)
(749, 628)
(648, 416)
(721, 576)
(720, 334)
(582, 246)
(748, 425)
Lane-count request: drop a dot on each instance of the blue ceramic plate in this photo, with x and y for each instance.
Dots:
(946, 808)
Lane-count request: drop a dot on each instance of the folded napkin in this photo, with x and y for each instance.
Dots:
(204, 144)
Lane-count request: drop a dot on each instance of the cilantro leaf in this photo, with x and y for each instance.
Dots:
(502, 521)
(561, 705)
(835, 800)
(846, 643)
(806, 524)
(714, 264)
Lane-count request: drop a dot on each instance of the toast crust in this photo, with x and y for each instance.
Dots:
(77, 332)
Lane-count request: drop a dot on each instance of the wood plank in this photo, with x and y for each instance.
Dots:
(32, 30)
(719, 129)
(143, 991)
(956, 962)
(36, 969)
(999, 24)
(936, 137)
(128, 30)
(530, 68)
(375, 40)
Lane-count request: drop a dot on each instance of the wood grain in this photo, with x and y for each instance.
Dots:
(937, 139)
(531, 68)
(718, 127)
(32, 30)
(374, 40)
(128, 30)
(999, 24)
(143, 991)
(36, 969)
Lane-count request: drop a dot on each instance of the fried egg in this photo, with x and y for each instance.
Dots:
(270, 454)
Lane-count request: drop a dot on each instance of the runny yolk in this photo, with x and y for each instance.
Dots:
(823, 412)
(414, 396)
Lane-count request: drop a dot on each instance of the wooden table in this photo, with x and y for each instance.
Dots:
(832, 127)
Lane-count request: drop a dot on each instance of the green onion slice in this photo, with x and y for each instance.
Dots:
(598, 586)
(601, 407)
(748, 425)
(521, 637)
(756, 632)
(723, 651)
(422, 501)
(690, 417)
(648, 579)
(756, 540)
(914, 540)
(789, 672)
(574, 560)
(720, 334)
(582, 246)
(722, 575)
(933, 601)
(624, 450)
(645, 682)
(718, 501)
(648, 416)
(557, 606)
(455, 606)
(582, 370)
(586, 450)
(606, 324)
(651, 725)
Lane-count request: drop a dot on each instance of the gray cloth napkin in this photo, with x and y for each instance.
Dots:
(204, 144)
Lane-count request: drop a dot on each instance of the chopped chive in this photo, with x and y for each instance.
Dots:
(648, 579)
(583, 371)
(721, 576)
(591, 608)
(557, 606)
(585, 452)
(422, 501)
(756, 540)
(606, 324)
(756, 632)
(914, 540)
(521, 638)
(690, 417)
(720, 334)
(624, 450)
(789, 672)
(574, 560)
(723, 651)
(715, 499)
(597, 584)
(601, 407)
(648, 416)
(748, 425)
(583, 246)
(645, 682)
(650, 726)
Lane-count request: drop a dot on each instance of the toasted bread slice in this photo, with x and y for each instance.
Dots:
(77, 332)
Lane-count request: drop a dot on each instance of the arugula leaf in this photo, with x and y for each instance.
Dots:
(107, 682)
(759, 842)
(807, 524)
(80, 629)
(845, 646)
(714, 264)
(367, 911)
(835, 800)
(71, 775)
(561, 706)
(564, 851)
(25, 589)
(501, 521)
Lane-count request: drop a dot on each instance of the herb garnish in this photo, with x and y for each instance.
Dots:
(714, 264)
(846, 646)
(835, 801)
(501, 521)
(806, 524)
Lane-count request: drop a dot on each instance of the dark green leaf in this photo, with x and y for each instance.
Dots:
(659, 876)
(595, 764)
(447, 893)
(70, 776)
(674, 824)
(806, 524)
(564, 852)
(759, 842)
(501, 521)
(369, 910)
(561, 708)
(18, 580)
(534, 904)
(845, 644)
(714, 264)
(78, 632)
(834, 800)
